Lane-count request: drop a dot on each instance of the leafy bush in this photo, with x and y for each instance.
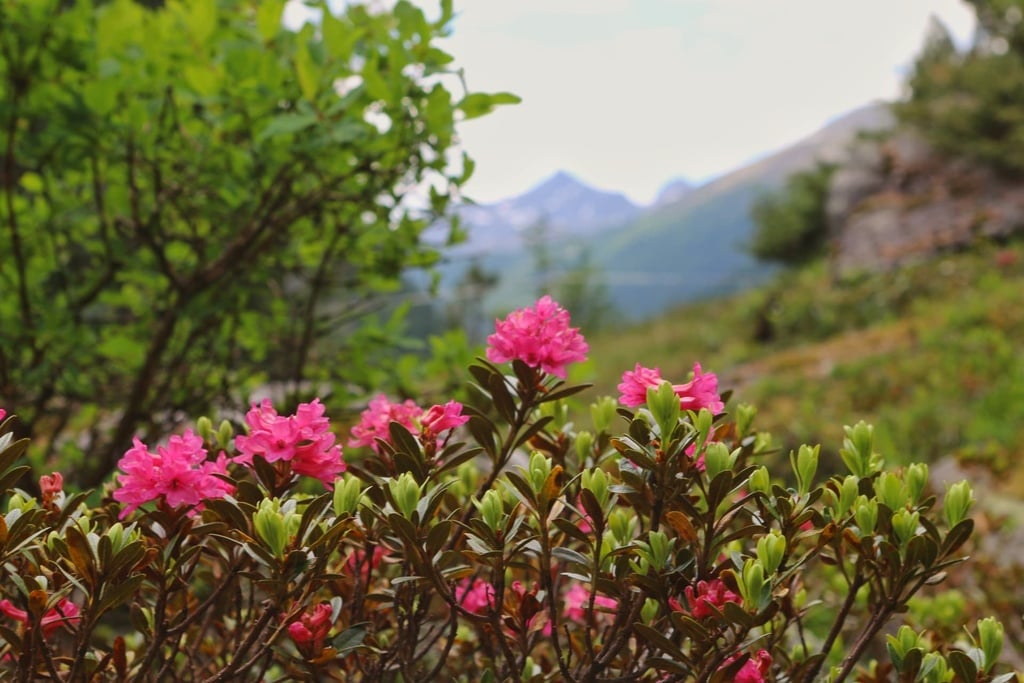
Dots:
(491, 541)
(972, 104)
(195, 201)
(791, 226)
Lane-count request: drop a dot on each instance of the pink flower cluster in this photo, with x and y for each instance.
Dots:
(713, 593)
(375, 421)
(539, 336)
(577, 598)
(477, 597)
(754, 669)
(309, 632)
(178, 473)
(64, 612)
(303, 439)
(700, 392)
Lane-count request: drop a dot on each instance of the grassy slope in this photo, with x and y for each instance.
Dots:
(932, 355)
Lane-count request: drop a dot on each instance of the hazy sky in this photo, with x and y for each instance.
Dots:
(629, 94)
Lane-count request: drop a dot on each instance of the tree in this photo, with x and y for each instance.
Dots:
(791, 226)
(972, 104)
(193, 198)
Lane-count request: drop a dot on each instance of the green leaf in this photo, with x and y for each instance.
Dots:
(268, 18)
(478, 104)
(287, 123)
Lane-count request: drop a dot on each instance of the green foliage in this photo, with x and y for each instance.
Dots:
(615, 555)
(972, 104)
(791, 227)
(193, 198)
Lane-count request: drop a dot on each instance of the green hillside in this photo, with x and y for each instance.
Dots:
(930, 354)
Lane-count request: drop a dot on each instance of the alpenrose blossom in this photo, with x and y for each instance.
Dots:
(3, 414)
(713, 593)
(577, 598)
(64, 612)
(303, 439)
(309, 632)
(441, 418)
(539, 336)
(476, 596)
(700, 392)
(52, 488)
(179, 473)
(754, 669)
(375, 421)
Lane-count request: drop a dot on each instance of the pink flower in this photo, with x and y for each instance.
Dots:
(303, 439)
(476, 597)
(3, 414)
(179, 473)
(441, 418)
(754, 669)
(375, 421)
(633, 389)
(52, 487)
(700, 392)
(309, 632)
(538, 336)
(577, 598)
(690, 450)
(709, 594)
(64, 612)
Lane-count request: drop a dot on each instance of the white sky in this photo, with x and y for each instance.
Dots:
(628, 94)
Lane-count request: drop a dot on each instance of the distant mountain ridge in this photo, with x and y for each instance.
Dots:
(563, 203)
(689, 244)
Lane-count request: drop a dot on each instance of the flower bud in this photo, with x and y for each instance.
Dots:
(664, 406)
(760, 481)
(492, 510)
(405, 493)
(649, 611)
(771, 549)
(858, 449)
(847, 495)
(540, 470)
(225, 435)
(745, 414)
(603, 412)
(348, 491)
(621, 524)
(597, 482)
(890, 490)
(916, 479)
(753, 586)
(717, 459)
(904, 525)
(584, 446)
(865, 513)
(270, 526)
(204, 428)
(933, 669)
(958, 501)
(990, 637)
(805, 466)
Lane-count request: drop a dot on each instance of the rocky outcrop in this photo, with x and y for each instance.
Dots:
(897, 200)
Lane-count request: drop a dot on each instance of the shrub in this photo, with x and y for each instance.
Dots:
(791, 226)
(492, 541)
